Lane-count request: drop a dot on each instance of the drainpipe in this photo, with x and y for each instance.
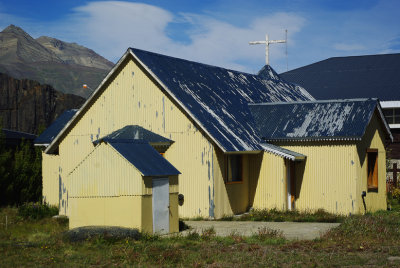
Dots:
(363, 195)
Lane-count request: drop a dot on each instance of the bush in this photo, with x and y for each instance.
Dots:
(37, 211)
(396, 193)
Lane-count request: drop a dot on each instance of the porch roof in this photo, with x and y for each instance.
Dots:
(285, 153)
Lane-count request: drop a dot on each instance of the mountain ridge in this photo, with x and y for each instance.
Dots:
(65, 66)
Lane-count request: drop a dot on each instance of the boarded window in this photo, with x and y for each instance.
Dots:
(234, 168)
(372, 158)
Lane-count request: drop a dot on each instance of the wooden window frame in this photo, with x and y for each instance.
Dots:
(372, 170)
(237, 180)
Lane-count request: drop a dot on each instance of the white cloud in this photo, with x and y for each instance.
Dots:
(111, 27)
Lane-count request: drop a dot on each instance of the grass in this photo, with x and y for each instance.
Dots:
(358, 241)
(280, 216)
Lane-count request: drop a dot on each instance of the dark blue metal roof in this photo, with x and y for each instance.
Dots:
(52, 131)
(17, 135)
(372, 76)
(337, 119)
(135, 132)
(144, 157)
(218, 98)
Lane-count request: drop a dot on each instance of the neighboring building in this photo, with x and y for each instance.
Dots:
(370, 76)
(51, 131)
(13, 138)
(215, 139)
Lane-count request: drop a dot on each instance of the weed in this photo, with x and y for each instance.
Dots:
(236, 237)
(268, 233)
(293, 215)
(193, 235)
(208, 233)
(37, 211)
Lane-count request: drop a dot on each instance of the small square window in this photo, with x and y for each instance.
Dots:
(234, 168)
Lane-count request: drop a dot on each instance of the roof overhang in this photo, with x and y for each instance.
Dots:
(40, 145)
(282, 152)
(390, 104)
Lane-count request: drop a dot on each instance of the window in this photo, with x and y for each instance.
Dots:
(372, 158)
(233, 168)
(392, 115)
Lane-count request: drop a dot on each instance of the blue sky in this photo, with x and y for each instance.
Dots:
(216, 32)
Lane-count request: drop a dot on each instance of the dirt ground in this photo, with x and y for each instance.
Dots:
(290, 230)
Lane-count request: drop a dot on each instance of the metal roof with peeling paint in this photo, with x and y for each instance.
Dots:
(315, 120)
(218, 98)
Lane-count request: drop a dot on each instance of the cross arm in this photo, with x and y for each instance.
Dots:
(256, 42)
(277, 41)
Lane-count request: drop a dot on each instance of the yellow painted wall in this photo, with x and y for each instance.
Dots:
(327, 178)
(373, 138)
(230, 198)
(267, 182)
(105, 189)
(123, 211)
(104, 173)
(50, 169)
(132, 98)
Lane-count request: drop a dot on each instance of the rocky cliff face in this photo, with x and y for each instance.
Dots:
(65, 66)
(26, 105)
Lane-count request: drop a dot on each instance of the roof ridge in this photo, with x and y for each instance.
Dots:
(191, 61)
(314, 101)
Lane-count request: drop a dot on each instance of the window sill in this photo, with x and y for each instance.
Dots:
(234, 182)
(373, 189)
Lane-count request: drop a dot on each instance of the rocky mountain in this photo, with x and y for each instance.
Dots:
(26, 105)
(73, 53)
(65, 66)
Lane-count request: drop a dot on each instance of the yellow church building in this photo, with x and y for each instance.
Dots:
(224, 141)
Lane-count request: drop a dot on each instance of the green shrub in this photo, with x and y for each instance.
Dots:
(396, 193)
(37, 211)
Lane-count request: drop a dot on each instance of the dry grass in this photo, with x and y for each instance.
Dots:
(360, 240)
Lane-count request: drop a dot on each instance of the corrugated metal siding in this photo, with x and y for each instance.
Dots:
(327, 179)
(230, 198)
(267, 181)
(50, 169)
(104, 173)
(373, 138)
(131, 98)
